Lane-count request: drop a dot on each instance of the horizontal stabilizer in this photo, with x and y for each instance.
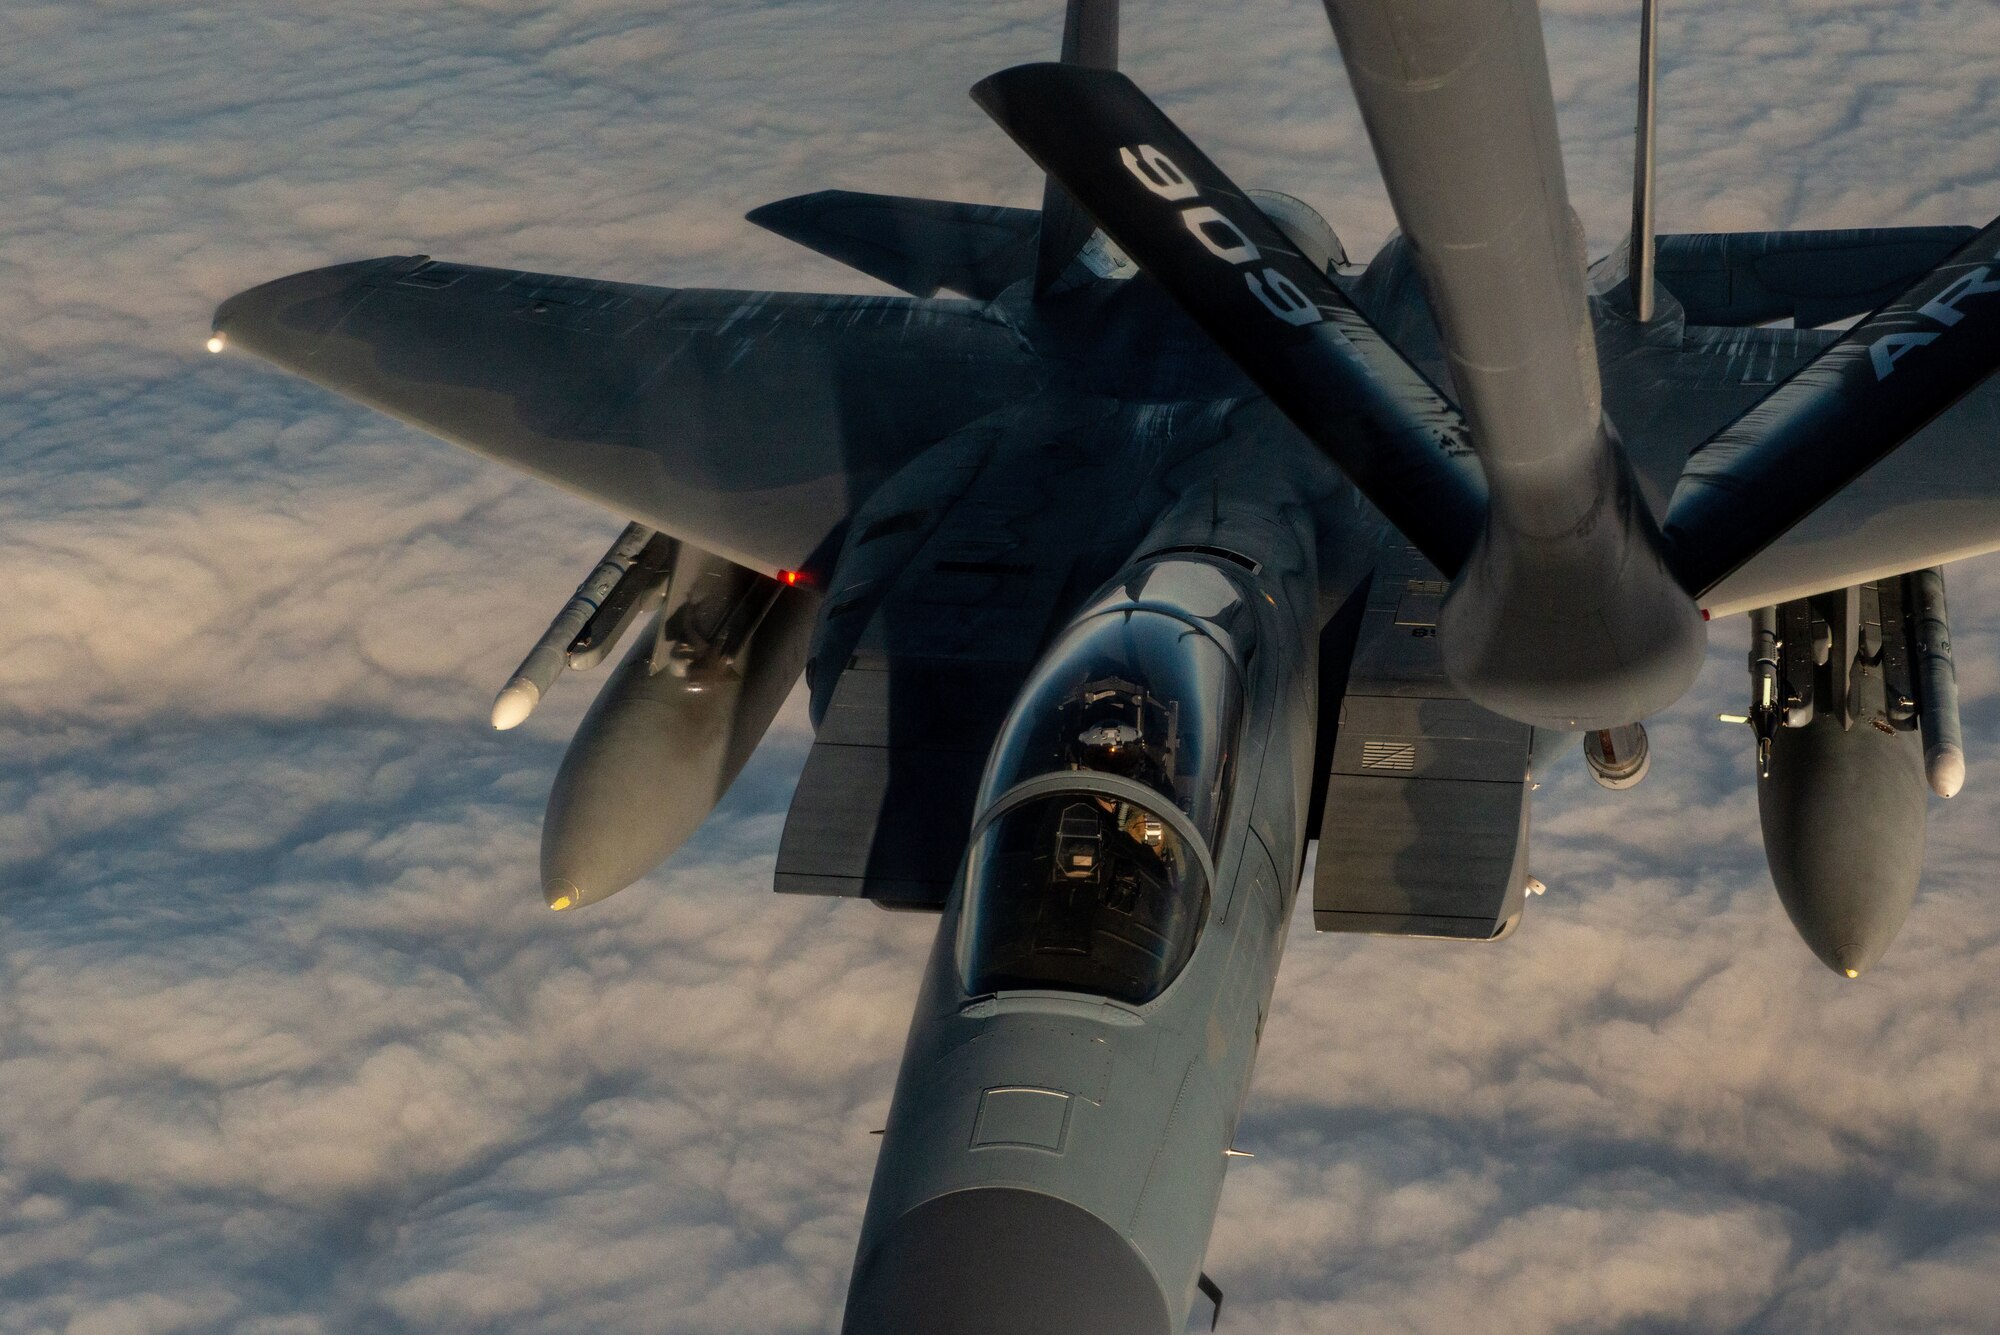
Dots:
(921, 246)
(1280, 318)
(1876, 387)
(1810, 278)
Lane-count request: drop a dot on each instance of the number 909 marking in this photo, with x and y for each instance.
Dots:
(1219, 236)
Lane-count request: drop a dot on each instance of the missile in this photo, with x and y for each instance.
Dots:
(545, 662)
(672, 727)
(1937, 683)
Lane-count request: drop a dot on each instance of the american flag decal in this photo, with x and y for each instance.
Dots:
(1388, 755)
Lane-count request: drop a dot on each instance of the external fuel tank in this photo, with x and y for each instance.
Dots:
(1843, 817)
(672, 728)
(1842, 789)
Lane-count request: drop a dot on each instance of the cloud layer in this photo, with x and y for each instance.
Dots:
(288, 1044)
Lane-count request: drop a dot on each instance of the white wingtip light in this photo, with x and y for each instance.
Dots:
(216, 343)
(515, 702)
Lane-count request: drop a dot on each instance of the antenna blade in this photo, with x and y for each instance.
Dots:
(1850, 407)
(1279, 316)
(1639, 250)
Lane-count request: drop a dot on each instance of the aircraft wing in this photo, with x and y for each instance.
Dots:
(748, 423)
(1933, 499)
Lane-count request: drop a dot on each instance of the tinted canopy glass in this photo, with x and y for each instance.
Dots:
(1082, 892)
(1099, 889)
(1136, 693)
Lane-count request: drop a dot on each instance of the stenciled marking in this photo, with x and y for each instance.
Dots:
(1219, 236)
(1889, 349)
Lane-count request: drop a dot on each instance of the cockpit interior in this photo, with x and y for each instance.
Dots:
(1097, 886)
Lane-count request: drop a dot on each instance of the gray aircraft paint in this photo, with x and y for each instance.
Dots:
(1150, 1094)
(726, 418)
(1843, 818)
(1053, 1158)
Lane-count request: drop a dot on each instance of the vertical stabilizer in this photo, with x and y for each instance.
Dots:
(1090, 39)
(1641, 245)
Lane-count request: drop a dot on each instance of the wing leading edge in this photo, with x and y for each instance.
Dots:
(1852, 407)
(1762, 420)
(748, 423)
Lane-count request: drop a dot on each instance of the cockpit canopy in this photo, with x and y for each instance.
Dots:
(1137, 693)
(1093, 876)
(1082, 892)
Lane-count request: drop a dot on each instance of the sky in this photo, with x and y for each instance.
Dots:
(288, 1042)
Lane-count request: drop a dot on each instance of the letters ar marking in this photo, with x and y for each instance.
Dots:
(1944, 306)
(1886, 351)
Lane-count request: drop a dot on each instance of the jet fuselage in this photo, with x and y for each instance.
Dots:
(1085, 1033)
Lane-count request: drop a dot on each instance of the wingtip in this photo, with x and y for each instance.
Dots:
(278, 320)
(994, 92)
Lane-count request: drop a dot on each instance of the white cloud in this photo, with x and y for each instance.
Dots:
(288, 1044)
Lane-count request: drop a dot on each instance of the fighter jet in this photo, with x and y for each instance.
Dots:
(1148, 538)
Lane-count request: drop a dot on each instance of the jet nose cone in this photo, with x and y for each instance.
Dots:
(1003, 1261)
